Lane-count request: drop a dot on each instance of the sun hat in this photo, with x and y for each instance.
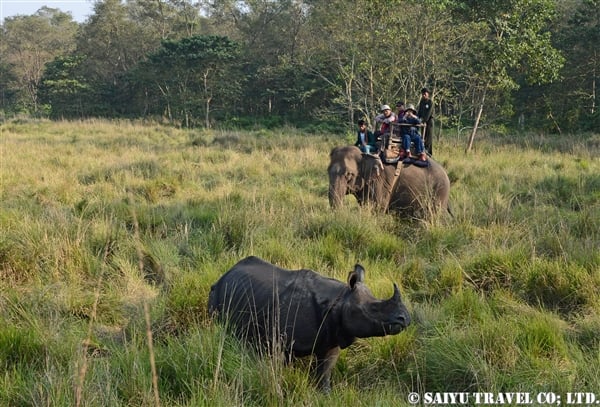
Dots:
(411, 107)
(385, 107)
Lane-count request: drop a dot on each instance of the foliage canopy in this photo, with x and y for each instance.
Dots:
(308, 61)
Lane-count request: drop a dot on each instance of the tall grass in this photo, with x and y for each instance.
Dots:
(101, 307)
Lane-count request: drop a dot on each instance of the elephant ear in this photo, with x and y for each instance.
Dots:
(371, 165)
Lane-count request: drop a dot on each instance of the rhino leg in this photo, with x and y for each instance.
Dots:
(325, 364)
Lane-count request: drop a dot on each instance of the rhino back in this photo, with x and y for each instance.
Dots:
(263, 300)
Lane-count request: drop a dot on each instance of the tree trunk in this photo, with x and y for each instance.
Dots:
(207, 116)
(349, 83)
(476, 125)
(207, 99)
(594, 87)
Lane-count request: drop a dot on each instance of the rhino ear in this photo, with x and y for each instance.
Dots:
(356, 276)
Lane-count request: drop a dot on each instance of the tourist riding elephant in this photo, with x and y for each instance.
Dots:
(406, 188)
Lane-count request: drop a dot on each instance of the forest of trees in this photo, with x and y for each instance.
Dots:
(324, 62)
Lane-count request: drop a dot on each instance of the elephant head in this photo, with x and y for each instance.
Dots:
(343, 173)
(352, 172)
(405, 188)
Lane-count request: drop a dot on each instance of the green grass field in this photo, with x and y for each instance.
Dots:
(111, 234)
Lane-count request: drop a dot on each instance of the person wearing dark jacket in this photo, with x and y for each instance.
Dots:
(365, 139)
(410, 134)
(400, 109)
(425, 113)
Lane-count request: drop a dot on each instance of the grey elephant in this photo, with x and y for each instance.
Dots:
(405, 188)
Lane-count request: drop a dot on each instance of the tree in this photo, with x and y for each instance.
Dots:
(8, 92)
(192, 75)
(300, 60)
(64, 88)
(374, 52)
(166, 19)
(361, 50)
(517, 42)
(27, 43)
(112, 43)
(580, 85)
(272, 34)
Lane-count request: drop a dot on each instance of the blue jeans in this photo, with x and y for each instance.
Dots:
(367, 148)
(415, 138)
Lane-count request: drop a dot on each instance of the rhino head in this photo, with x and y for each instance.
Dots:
(364, 316)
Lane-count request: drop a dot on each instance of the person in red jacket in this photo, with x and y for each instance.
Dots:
(385, 117)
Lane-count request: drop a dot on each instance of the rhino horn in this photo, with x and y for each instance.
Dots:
(396, 295)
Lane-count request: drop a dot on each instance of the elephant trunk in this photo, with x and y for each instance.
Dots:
(338, 188)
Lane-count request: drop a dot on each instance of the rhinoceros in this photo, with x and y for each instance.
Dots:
(302, 311)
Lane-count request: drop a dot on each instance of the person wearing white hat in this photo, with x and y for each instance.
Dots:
(385, 117)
